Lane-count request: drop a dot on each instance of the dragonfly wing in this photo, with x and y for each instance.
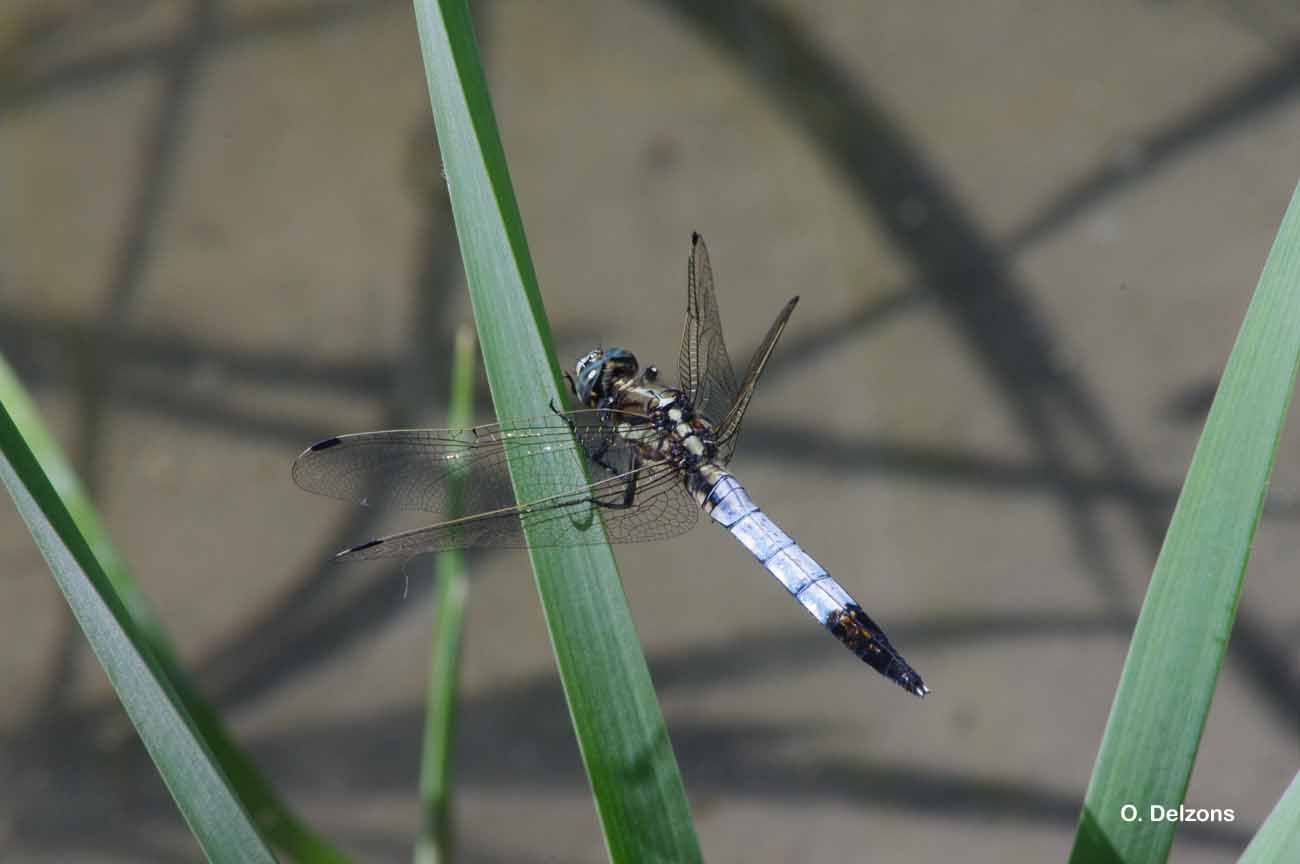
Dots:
(704, 368)
(500, 531)
(452, 472)
(449, 472)
(728, 431)
(659, 508)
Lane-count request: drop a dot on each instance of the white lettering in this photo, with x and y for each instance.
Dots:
(1183, 813)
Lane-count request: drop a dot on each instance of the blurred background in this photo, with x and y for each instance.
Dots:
(1024, 234)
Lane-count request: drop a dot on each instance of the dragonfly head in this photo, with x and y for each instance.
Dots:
(598, 370)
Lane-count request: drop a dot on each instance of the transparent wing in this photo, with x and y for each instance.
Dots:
(418, 469)
(464, 471)
(728, 431)
(704, 369)
(660, 510)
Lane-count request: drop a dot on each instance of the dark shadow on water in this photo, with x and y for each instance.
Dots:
(114, 66)
(162, 143)
(1229, 112)
(1192, 403)
(815, 448)
(800, 347)
(36, 347)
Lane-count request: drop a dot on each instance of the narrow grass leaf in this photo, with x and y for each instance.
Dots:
(192, 774)
(434, 845)
(1278, 840)
(1164, 693)
(634, 779)
(277, 823)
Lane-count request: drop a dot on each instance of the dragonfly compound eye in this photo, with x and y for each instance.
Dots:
(598, 371)
(588, 379)
(588, 373)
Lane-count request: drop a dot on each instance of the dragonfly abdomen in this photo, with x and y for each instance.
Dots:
(729, 505)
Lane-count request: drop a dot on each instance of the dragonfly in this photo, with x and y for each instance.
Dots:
(656, 457)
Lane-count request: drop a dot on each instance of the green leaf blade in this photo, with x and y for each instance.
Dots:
(637, 789)
(435, 841)
(222, 826)
(1164, 694)
(1278, 840)
(272, 815)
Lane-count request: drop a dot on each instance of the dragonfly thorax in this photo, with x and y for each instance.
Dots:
(611, 379)
(600, 373)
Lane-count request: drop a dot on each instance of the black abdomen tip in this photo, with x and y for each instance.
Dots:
(911, 682)
(852, 626)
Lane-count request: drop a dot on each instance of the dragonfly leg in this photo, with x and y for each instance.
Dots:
(597, 457)
(629, 494)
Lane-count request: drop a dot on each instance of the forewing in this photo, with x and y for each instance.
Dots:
(456, 472)
(704, 368)
(728, 431)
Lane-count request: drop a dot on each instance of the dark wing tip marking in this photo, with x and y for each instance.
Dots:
(695, 238)
(301, 468)
(368, 544)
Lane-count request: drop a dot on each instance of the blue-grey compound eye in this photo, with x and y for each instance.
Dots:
(588, 373)
(587, 383)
